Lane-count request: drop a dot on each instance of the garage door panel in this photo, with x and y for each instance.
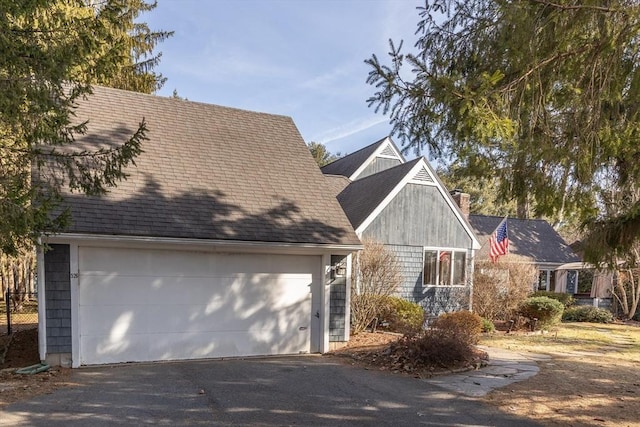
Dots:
(115, 289)
(194, 345)
(114, 320)
(165, 263)
(158, 313)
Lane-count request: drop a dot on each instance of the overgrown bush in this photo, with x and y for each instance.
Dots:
(465, 325)
(433, 347)
(401, 315)
(567, 300)
(587, 313)
(376, 274)
(498, 289)
(487, 325)
(548, 311)
(449, 343)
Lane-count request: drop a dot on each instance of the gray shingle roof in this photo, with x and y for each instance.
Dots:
(348, 164)
(533, 238)
(361, 197)
(337, 183)
(208, 172)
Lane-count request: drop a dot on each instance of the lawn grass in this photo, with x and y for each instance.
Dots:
(573, 337)
(592, 378)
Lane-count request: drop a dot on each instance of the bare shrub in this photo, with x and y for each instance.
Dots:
(498, 289)
(376, 274)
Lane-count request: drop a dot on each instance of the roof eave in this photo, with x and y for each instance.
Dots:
(216, 245)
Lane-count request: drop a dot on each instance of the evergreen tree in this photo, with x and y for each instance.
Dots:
(135, 41)
(52, 52)
(539, 94)
(321, 155)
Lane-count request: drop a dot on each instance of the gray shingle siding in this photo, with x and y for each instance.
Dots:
(378, 165)
(434, 299)
(58, 299)
(419, 215)
(337, 305)
(445, 299)
(410, 259)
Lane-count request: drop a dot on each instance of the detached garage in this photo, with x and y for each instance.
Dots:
(220, 243)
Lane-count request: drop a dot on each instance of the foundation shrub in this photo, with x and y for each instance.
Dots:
(587, 313)
(401, 315)
(548, 311)
(487, 325)
(567, 300)
(464, 325)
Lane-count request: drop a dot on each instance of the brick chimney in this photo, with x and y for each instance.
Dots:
(462, 199)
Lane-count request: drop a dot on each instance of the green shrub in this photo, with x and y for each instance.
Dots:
(401, 315)
(566, 299)
(465, 325)
(587, 313)
(487, 325)
(548, 311)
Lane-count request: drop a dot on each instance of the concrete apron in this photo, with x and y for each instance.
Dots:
(504, 368)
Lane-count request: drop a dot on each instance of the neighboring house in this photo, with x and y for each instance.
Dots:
(588, 285)
(405, 206)
(559, 267)
(532, 238)
(222, 242)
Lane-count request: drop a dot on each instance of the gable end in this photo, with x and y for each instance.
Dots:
(388, 151)
(423, 177)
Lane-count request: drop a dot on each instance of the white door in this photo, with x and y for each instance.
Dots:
(145, 305)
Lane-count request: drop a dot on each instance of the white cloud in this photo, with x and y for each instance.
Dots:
(348, 129)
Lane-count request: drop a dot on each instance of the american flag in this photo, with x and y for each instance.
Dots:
(499, 242)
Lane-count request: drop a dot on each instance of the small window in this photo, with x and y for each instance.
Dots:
(459, 264)
(430, 273)
(445, 268)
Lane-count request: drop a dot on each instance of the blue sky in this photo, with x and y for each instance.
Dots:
(299, 58)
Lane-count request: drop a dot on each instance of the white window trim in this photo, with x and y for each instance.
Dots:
(438, 250)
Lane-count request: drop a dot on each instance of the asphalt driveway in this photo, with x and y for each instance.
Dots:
(306, 390)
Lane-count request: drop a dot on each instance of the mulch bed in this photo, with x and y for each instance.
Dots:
(382, 351)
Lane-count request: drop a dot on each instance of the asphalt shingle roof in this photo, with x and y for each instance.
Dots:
(337, 183)
(361, 197)
(348, 164)
(533, 238)
(207, 172)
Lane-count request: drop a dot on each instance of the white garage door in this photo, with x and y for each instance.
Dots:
(144, 305)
